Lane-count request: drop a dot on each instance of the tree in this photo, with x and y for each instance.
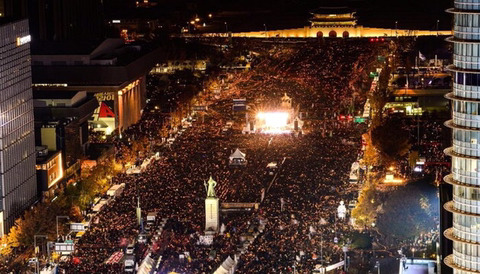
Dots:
(391, 140)
(365, 212)
(5, 247)
(361, 240)
(370, 156)
(408, 212)
(379, 97)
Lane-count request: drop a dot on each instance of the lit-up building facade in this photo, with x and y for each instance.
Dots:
(118, 81)
(50, 172)
(465, 152)
(333, 16)
(18, 189)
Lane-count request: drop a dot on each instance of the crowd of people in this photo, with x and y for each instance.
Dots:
(302, 229)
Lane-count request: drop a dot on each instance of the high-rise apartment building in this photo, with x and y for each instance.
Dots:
(18, 189)
(465, 152)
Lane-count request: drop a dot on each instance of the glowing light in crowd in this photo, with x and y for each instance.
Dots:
(273, 122)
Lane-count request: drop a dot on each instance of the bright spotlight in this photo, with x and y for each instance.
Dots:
(273, 122)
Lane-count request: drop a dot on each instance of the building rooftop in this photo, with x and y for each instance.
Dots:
(54, 94)
(131, 61)
(46, 158)
(63, 48)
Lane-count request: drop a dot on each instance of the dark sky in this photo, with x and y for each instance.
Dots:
(420, 14)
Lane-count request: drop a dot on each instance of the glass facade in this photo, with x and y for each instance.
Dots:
(18, 189)
(465, 124)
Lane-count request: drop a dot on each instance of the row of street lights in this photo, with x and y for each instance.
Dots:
(37, 263)
(197, 20)
(396, 27)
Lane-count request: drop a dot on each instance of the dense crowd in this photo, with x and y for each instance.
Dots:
(299, 208)
(312, 182)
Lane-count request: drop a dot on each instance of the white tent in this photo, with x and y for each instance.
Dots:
(237, 158)
(227, 267)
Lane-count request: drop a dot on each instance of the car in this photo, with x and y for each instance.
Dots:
(32, 261)
(130, 249)
(142, 238)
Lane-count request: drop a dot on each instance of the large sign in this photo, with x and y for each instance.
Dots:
(64, 248)
(77, 227)
(104, 115)
(205, 240)
(239, 205)
(335, 266)
(105, 96)
(23, 40)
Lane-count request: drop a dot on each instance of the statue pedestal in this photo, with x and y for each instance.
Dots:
(212, 215)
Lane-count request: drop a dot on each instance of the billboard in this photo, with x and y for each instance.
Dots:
(240, 104)
(104, 115)
(77, 227)
(64, 248)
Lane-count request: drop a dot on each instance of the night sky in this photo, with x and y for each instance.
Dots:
(419, 14)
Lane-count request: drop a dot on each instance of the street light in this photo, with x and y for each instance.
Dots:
(396, 28)
(377, 265)
(413, 252)
(345, 250)
(321, 250)
(226, 27)
(64, 217)
(37, 267)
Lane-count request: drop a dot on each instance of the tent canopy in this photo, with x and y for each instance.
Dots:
(237, 155)
(228, 266)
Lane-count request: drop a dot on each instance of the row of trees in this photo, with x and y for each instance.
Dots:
(72, 202)
(42, 217)
(409, 211)
(386, 142)
(365, 212)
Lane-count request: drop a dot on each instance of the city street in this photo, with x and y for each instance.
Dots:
(298, 213)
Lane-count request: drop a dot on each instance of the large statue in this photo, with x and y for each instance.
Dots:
(210, 188)
(212, 213)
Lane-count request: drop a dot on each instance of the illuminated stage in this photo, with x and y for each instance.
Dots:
(273, 123)
(279, 119)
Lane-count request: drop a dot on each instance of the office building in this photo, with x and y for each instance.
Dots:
(18, 188)
(112, 70)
